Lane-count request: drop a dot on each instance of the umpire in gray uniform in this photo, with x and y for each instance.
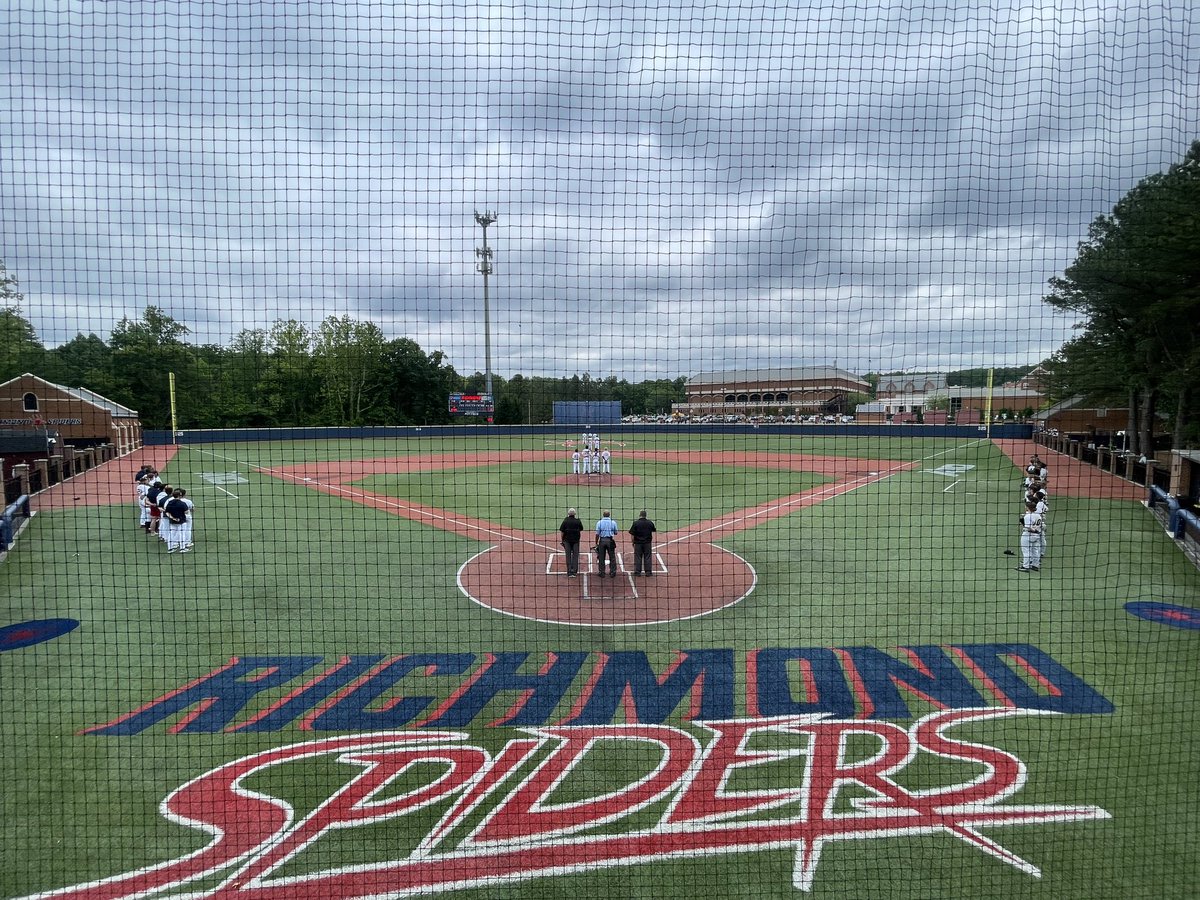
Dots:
(642, 531)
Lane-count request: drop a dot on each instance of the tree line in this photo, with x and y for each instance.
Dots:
(342, 372)
(1136, 284)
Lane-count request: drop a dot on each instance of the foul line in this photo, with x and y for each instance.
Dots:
(734, 521)
(414, 513)
(246, 466)
(742, 522)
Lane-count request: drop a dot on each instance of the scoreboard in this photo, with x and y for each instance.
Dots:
(471, 405)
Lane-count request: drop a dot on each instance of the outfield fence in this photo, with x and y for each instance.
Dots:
(158, 438)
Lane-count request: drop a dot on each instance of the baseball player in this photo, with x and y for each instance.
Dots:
(160, 502)
(177, 519)
(575, 463)
(605, 461)
(143, 487)
(596, 462)
(1032, 534)
(586, 459)
(153, 492)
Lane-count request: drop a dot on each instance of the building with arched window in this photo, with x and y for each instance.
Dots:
(81, 418)
(898, 384)
(800, 390)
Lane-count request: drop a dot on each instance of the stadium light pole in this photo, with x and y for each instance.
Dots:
(484, 253)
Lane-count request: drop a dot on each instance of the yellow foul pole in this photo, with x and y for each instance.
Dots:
(987, 410)
(174, 423)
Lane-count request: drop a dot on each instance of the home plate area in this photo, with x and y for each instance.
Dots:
(529, 580)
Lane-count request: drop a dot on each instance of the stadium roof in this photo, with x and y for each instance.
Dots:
(87, 397)
(800, 373)
(95, 399)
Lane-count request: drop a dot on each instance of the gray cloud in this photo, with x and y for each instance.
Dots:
(681, 186)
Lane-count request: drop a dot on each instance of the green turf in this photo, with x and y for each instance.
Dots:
(917, 558)
(686, 493)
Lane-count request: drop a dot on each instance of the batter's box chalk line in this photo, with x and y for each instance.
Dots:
(556, 563)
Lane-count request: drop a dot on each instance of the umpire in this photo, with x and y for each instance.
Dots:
(570, 529)
(606, 544)
(642, 531)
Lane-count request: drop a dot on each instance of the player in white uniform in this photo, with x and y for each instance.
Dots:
(143, 487)
(185, 534)
(586, 459)
(177, 516)
(605, 461)
(575, 463)
(1033, 527)
(596, 462)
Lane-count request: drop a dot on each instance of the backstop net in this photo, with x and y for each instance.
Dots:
(640, 449)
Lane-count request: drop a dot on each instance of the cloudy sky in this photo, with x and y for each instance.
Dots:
(680, 186)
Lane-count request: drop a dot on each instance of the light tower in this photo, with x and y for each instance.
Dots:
(484, 253)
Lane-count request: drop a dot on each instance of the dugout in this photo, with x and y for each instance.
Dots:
(587, 412)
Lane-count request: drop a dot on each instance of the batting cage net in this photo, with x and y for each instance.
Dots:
(599, 449)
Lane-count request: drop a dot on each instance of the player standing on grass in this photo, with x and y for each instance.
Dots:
(143, 488)
(153, 493)
(176, 512)
(1032, 534)
(160, 503)
(606, 544)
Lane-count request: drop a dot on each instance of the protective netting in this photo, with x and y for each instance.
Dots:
(600, 450)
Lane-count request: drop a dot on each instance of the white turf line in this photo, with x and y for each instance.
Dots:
(867, 480)
(219, 456)
(834, 490)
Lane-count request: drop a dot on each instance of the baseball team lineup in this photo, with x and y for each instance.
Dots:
(597, 550)
(610, 562)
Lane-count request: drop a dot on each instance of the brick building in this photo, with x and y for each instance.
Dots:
(801, 390)
(81, 418)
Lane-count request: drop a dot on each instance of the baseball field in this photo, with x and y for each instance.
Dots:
(371, 676)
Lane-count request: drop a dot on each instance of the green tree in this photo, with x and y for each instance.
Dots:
(20, 349)
(83, 361)
(1136, 283)
(417, 384)
(349, 355)
(144, 352)
(239, 375)
(291, 384)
